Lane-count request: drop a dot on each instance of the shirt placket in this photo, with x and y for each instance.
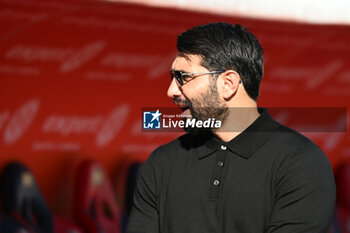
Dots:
(217, 177)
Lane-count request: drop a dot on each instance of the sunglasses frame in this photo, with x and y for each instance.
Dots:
(180, 75)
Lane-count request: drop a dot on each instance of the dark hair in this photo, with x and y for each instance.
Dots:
(224, 46)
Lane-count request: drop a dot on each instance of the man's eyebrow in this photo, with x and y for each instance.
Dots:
(183, 71)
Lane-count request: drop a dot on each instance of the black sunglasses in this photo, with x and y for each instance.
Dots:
(182, 78)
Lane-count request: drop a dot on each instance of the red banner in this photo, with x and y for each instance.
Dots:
(74, 77)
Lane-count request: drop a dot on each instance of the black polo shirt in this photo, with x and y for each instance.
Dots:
(267, 179)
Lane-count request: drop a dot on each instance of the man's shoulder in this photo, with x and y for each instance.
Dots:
(292, 138)
(295, 153)
(293, 144)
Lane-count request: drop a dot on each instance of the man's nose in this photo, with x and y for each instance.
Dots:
(174, 89)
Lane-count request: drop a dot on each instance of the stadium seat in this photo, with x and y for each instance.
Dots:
(95, 208)
(22, 200)
(10, 225)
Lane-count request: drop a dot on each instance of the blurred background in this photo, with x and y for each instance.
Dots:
(75, 75)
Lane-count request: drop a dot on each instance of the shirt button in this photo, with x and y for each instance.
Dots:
(223, 147)
(216, 182)
(220, 164)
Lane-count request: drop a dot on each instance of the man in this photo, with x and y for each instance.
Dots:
(252, 175)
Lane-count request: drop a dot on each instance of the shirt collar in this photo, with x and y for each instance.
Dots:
(246, 143)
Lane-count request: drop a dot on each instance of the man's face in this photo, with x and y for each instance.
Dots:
(199, 97)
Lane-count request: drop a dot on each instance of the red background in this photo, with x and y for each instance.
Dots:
(74, 76)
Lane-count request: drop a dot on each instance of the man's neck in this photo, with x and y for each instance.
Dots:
(236, 122)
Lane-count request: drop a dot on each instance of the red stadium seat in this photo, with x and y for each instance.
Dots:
(125, 183)
(95, 208)
(22, 200)
(26, 210)
(11, 225)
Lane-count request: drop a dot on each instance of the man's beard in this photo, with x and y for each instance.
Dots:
(205, 106)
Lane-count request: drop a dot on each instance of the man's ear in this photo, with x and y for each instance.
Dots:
(230, 83)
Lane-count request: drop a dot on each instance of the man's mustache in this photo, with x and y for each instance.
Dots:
(185, 102)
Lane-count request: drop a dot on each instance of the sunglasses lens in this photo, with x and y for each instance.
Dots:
(177, 75)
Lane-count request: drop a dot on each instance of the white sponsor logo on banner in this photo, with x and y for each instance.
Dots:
(112, 125)
(329, 141)
(341, 85)
(161, 68)
(20, 121)
(158, 65)
(323, 74)
(82, 56)
(3, 117)
(307, 74)
(106, 128)
(66, 125)
(69, 58)
(28, 53)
